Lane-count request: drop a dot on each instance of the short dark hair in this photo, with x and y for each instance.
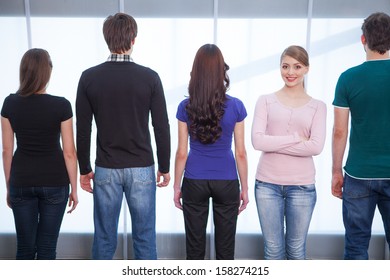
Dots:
(35, 71)
(376, 30)
(119, 31)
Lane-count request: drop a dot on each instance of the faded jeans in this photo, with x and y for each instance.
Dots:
(279, 206)
(139, 187)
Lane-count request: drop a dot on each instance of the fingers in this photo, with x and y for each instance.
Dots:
(73, 202)
(87, 187)
(166, 178)
(243, 206)
(178, 205)
(177, 198)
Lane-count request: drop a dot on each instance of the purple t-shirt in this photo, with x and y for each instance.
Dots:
(214, 161)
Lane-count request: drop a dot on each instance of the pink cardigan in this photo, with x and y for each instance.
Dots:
(277, 131)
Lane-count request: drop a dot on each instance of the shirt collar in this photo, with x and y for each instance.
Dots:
(119, 57)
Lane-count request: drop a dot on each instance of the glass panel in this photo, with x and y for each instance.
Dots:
(13, 45)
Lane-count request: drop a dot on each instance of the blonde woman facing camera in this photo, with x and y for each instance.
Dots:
(289, 128)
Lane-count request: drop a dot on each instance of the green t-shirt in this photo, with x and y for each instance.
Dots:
(365, 91)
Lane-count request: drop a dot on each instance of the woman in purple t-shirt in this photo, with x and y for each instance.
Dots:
(210, 119)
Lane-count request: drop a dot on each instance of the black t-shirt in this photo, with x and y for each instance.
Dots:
(36, 121)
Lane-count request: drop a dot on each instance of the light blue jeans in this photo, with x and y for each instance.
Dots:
(139, 187)
(284, 207)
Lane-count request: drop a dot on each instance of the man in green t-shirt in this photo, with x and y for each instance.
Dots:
(363, 93)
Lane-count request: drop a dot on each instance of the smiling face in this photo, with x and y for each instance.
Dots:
(292, 71)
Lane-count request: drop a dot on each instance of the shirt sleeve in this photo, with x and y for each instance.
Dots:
(67, 112)
(4, 109)
(241, 110)
(268, 143)
(341, 97)
(315, 144)
(84, 127)
(181, 113)
(161, 127)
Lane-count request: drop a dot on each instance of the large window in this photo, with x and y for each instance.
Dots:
(167, 42)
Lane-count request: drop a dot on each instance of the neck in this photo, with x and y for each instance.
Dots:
(128, 52)
(294, 92)
(371, 55)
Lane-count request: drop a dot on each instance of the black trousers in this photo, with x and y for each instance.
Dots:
(225, 196)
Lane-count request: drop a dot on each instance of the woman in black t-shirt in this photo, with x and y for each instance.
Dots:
(38, 173)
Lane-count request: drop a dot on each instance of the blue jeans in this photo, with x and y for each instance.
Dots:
(360, 199)
(38, 213)
(139, 187)
(284, 205)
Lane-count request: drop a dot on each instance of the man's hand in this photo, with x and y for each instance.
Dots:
(85, 182)
(163, 179)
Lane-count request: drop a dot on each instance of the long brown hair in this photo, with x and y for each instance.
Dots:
(35, 71)
(207, 94)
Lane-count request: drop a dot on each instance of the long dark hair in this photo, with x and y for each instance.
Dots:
(207, 94)
(35, 71)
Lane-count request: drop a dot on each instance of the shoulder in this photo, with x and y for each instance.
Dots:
(12, 96)
(267, 99)
(57, 98)
(355, 70)
(237, 106)
(58, 101)
(319, 103)
(183, 103)
(93, 68)
(318, 106)
(8, 103)
(181, 113)
(144, 70)
(234, 100)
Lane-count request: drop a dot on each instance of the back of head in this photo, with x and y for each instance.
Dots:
(119, 31)
(35, 71)
(208, 75)
(298, 53)
(376, 30)
(207, 90)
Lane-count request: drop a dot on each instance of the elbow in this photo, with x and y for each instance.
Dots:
(70, 155)
(317, 151)
(181, 156)
(339, 133)
(257, 144)
(241, 155)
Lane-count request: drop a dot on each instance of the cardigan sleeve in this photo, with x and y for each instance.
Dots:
(315, 144)
(268, 143)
